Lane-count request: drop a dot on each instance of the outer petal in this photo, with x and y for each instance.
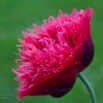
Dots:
(57, 85)
(86, 52)
(88, 49)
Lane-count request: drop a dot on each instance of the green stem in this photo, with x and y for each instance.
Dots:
(89, 87)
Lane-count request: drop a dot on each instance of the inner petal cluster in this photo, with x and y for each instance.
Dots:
(48, 49)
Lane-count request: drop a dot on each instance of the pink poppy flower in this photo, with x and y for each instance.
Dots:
(54, 54)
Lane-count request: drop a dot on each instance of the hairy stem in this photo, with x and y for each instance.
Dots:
(89, 87)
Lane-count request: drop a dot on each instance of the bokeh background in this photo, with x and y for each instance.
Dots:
(16, 16)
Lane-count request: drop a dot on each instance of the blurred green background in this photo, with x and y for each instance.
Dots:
(16, 16)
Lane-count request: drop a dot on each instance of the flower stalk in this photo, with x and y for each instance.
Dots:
(89, 87)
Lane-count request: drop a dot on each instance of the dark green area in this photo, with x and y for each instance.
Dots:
(16, 16)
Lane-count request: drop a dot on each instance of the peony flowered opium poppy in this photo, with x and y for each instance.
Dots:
(54, 54)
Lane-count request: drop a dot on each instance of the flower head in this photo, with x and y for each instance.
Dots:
(54, 54)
